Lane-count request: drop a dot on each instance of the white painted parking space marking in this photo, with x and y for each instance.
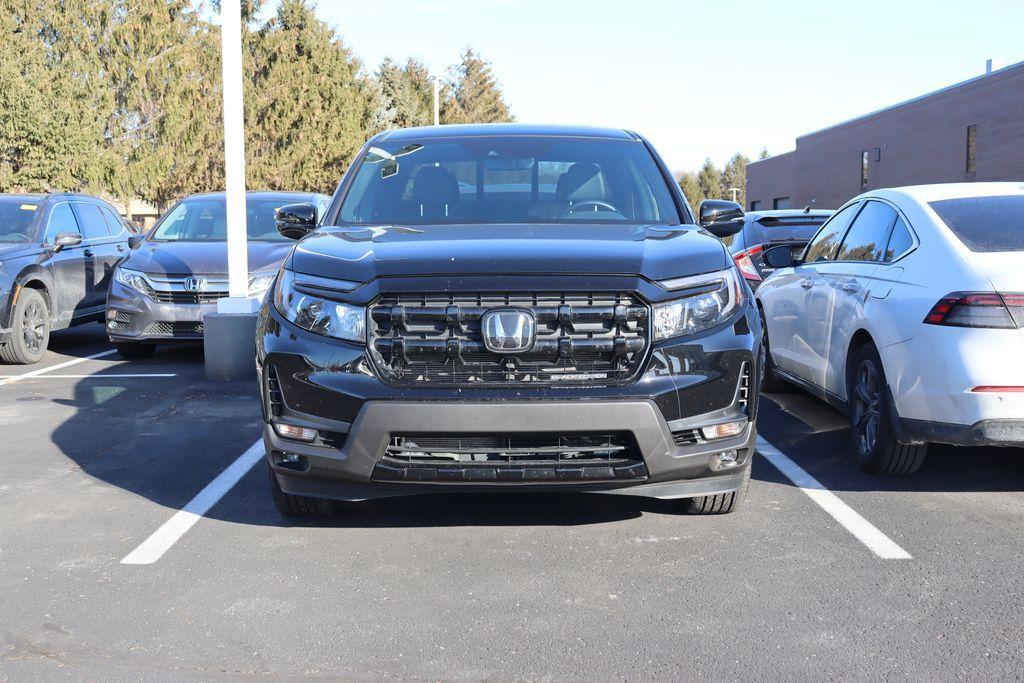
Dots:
(866, 532)
(105, 375)
(154, 547)
(58, 366)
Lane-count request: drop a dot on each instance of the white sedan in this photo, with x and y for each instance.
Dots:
(906, 311)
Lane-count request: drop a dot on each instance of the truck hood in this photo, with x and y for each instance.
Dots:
(656, 252)
(202, 258)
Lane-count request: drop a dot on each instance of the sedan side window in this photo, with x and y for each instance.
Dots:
(865, 240)
(900, 242)
(62, 219)
(825, 244)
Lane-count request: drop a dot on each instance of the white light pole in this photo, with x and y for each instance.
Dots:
(234, 161)
(437, 100)
(735, 192)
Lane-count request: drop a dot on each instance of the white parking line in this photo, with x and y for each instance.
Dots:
(866, 532)
(99, 376)
(58, 366)
(154, 547)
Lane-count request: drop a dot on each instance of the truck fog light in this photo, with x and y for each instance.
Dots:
(291, 458)
(111, 324)
(727, 459)
(111, 314)
(724, 430)
(293, 432)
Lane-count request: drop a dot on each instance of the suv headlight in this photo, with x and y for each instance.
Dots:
(317, 314)
(712, 298)
(132, 278)
(259, 283)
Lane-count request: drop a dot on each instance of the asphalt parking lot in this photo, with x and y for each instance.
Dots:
(855, 577)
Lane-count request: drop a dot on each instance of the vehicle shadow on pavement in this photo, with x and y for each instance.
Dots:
(815, 436)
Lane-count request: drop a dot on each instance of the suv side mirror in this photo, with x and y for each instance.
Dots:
(779, 257)
(295, 221)
(135, 240)
(720, 217)
(66, 239)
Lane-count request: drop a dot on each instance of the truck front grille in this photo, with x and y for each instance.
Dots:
(510, 458)
(436, 338)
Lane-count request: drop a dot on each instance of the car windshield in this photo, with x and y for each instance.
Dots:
(16, 216)
(985, 223)
(509, 179)
(203, 220)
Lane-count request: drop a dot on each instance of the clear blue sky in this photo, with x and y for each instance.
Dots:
(699, 79)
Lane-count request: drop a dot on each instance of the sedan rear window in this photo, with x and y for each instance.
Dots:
(985, 223)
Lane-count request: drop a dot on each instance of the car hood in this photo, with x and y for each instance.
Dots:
(11, 251)
(655, 252)
(202, 258)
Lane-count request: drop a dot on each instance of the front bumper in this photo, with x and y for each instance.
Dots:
(329, 386)
(132, 316)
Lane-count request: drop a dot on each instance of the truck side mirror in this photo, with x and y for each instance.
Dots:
(295, 221)
(721, 217)
(779, 257)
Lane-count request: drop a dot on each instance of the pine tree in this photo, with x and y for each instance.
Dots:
(308, 109)
(735, 175)
(691, 189)
(164, 68)
(472, 94)
(709, 178)
(764, 154)
(408, 93)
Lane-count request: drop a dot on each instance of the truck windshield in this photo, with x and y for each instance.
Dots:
(16, 216)
(508, 179)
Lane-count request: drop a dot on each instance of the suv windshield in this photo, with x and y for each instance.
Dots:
(509, 179)
(16, 216)
(985, 223)
(203, 220)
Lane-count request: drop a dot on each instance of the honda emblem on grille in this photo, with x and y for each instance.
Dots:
(195, 284)
(508, 330)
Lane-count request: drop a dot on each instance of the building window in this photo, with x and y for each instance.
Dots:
(780, 203)
(864, 169)
(972, 147)
(755, 205)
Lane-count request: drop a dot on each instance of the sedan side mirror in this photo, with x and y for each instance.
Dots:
(779, 257)
(135, 240)
(720, 217)
(295, 221)
(66, 239)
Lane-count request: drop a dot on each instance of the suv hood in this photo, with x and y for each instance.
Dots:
(10, 251)
(362, 254)
(204, 258)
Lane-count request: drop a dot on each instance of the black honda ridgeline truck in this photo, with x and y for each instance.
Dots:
(508, 307)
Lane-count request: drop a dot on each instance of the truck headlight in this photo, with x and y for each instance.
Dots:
(133, 279)
(316, 313)
(711, 299)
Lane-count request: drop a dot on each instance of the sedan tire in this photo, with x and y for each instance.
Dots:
(871, 427)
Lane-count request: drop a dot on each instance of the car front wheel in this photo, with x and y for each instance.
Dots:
(30, 329)
(874, 439)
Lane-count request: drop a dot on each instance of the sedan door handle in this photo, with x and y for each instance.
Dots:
(120, 247)
(88, 252)
(851, 287)
(806, 283)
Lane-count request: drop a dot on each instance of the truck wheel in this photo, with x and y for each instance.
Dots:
(874, 439)
(770, 382)
(718, 504)
(297, 506)
(135, 350)
(30, 329)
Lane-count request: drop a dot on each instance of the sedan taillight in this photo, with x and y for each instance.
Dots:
(746, 266)
(978, 309)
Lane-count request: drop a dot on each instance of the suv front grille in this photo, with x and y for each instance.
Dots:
(503, 457)
(174, 329)
(436, 338)
(179, 297)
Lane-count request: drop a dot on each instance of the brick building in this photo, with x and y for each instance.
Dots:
(971, 131)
